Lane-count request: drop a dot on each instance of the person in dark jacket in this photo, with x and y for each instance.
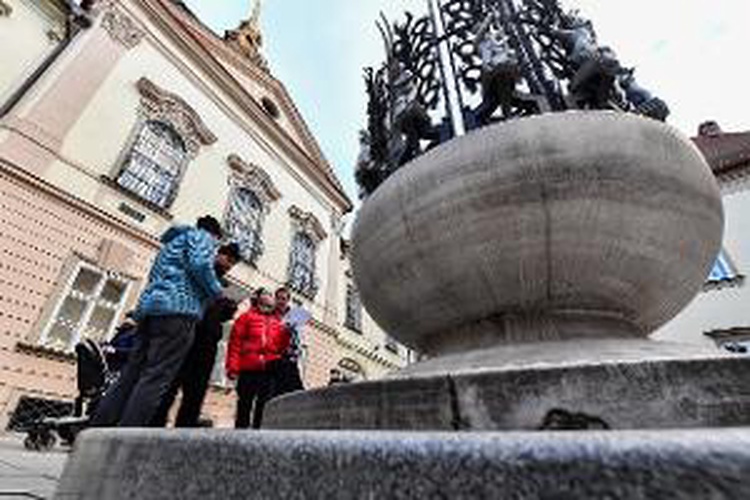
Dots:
(195, 374)
(256, 344)
(181, 283)
(123, 343)
(287, 376)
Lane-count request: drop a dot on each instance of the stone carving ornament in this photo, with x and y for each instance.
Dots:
(120, 27)
(255, 179)
(307, 223)
(160, 105)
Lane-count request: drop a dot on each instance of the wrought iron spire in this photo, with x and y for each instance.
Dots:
(471, 63)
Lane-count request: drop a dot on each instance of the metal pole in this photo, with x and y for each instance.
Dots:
(452, 97)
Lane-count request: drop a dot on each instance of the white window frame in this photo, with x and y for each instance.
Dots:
(91, 302)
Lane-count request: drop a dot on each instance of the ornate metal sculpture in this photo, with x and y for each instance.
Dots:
(485, 61)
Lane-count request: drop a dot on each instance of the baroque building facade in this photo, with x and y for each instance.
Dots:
(720, 314)
(120, 118)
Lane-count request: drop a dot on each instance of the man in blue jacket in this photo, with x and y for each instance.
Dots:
(181, 282)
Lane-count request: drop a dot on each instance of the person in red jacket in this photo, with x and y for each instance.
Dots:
(256, 345)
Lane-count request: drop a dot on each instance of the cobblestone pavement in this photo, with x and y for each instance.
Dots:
(27, 474)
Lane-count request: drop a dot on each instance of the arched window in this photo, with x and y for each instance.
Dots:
(302, 265)
(244, 223)
(154, 164)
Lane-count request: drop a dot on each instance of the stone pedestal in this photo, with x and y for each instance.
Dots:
(659, 386)
(627, 465)
(532, 259)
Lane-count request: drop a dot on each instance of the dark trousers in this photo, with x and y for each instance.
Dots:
(287, 378)
(254, 389)
(193, 381)
(149, 373)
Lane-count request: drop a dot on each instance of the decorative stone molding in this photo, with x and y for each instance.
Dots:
(121, 28)
(307, 223)
(5, 9)
(54, 35)
(158, 104)
(247, 40)
(254, 178)
(337, 224)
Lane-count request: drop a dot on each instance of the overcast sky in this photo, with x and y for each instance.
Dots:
(692, 53)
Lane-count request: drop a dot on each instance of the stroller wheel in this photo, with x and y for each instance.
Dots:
(30, 443)
(47, 441)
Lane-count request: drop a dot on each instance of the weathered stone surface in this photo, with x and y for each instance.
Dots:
(402, 404)
(564, 225)
(653, 392)
(704, 464)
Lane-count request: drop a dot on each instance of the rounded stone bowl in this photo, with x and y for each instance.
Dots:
(554, 227)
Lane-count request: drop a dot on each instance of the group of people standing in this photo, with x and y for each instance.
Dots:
(180, 317)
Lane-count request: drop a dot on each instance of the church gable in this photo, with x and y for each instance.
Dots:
(239, 52)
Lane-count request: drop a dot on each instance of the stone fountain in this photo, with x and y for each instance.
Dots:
(529, 259)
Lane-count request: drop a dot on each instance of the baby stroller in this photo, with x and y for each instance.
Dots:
(97, 369)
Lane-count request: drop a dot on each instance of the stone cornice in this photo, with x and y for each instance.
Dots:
(736, 333)
(735, 180)
(166, 16)
(20, 174)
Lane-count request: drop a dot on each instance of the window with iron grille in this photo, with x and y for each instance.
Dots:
(302, 265)
(155, 163)
(353, 318)
(244, 223)
(88, 308)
